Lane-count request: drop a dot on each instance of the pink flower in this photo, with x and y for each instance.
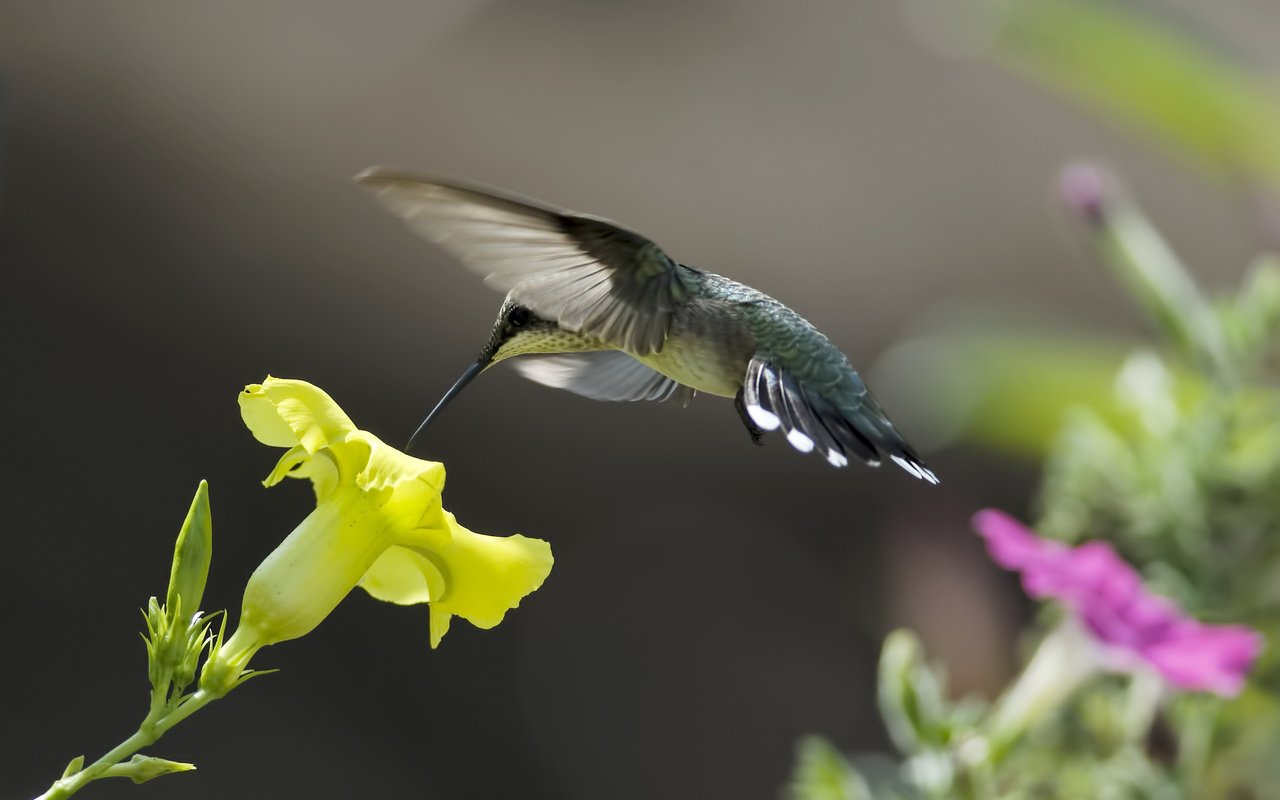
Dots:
(1131, 624)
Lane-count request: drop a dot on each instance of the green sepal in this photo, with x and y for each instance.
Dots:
(141, 769)
(252, 673)
(199, 639)
(221, 675)
(156, 639)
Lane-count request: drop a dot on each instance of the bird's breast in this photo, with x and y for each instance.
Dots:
(707, 350)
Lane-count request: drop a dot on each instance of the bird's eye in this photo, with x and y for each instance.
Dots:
(518, 316)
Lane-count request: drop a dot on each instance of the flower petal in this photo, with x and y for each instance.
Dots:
(404, 576)
(387, 467)
(439, 625)
(1009, 542)
(1214, 658)
(461, 573)
(291, 464)
(285, 413)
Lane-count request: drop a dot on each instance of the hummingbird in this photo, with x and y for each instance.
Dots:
(600, 310)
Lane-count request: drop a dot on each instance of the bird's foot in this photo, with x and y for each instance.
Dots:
(756, 432)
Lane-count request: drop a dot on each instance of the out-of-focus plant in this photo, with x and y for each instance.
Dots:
(1005, 386)
(1162, 82)
(378, 524)
(1008, 388)
(1146, 681)
(1120, 60)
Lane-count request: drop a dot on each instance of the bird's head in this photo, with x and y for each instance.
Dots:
(517, 331)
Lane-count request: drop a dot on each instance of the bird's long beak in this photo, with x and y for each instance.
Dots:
(472, 371)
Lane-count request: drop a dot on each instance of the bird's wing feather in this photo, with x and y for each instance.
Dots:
(588, 274)
(602, 375)
(775, 399)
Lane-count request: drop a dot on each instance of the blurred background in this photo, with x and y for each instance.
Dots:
(178, 220)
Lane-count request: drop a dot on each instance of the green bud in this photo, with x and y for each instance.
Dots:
(141, 769)
(1144, 263)
(75, 766)
(191, 556)
(221, 672)
(911, 699)
(197, 639)
(227, 665)
(157, 639)
(176, 632)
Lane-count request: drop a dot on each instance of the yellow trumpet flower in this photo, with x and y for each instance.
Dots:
(378, 524)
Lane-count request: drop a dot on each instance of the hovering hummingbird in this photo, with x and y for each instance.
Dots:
(602, 311)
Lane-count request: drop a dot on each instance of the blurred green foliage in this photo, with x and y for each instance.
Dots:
(822, 773)
(1135, 69)
(1008, 387)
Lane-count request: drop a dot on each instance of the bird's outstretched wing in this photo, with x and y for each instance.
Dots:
(586, 273)
(602, 375)
(774, 399)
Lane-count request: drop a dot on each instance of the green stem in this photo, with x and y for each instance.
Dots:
(151, 729)
(159, 698)
(1196, 744)
(1063, 661)
(1146, 689)
(1154, 274)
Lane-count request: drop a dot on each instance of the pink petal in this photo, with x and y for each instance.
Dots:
(1010, 543)
(1214, 658)
(1108, 596)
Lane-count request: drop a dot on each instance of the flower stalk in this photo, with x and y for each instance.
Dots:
(1062, 663)
(1143, 262)
(148, 733)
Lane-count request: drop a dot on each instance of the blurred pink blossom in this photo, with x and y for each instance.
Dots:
(1130, 623)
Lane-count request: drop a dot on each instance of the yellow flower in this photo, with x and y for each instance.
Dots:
(378, 524)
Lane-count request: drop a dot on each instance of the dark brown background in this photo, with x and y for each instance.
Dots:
(178, 221)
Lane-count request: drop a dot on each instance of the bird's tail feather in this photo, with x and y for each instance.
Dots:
(774, 399)
(870, 421)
